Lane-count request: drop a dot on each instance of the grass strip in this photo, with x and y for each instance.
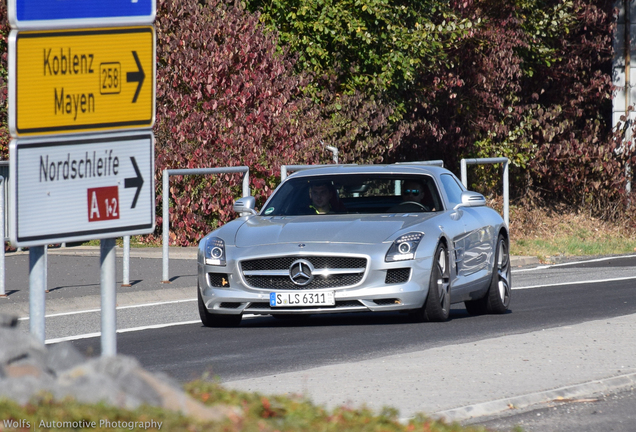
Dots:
(254, 413)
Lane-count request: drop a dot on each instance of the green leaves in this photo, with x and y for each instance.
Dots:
(365, 42)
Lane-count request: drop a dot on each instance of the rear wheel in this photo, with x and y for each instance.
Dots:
(497, 299)
(215, 320)
(437, 304)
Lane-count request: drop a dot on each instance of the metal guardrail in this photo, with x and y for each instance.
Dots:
(166, 202)
(506, 188)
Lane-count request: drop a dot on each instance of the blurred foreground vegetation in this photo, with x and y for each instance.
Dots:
(255, 413)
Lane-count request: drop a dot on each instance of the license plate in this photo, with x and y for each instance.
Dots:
(302, 299)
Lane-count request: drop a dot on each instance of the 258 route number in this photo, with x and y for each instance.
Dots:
(110, 78)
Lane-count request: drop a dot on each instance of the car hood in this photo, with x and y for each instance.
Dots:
(361, 229)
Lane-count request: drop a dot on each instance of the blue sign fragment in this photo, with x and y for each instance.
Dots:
(62, 13)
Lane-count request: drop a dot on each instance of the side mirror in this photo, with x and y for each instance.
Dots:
(245, 205)
(471, 199)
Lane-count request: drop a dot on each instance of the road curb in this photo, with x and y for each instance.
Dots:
(522, 261)
(523, 402)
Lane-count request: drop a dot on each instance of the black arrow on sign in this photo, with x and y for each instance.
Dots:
(134, 182)
(137, 77)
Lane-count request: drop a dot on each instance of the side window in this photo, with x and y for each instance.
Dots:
(453, 189)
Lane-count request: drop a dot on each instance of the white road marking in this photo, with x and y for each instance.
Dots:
(128, 330)
(132, 329)
(118, 308)
(575, 283)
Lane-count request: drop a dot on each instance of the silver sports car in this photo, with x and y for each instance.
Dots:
(374, 238)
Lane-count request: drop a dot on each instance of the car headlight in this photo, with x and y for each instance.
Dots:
(215, 251)
(404, 247)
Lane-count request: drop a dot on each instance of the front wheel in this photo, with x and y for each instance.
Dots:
(497, 299)
(215, 320)
(437, 304)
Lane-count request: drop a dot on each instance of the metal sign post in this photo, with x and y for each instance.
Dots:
(36, 292)
(68, 77)
(108, 281)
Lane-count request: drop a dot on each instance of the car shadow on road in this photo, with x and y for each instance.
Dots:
(343, 319)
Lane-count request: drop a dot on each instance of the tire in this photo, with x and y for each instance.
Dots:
(215, 320)
(437, 304)
(497, 299)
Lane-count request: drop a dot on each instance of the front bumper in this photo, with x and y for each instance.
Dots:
(373, 293)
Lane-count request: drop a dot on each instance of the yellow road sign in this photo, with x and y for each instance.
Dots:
(68, 81)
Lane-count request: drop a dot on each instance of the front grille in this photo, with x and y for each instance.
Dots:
(339, 304)
(319, 262)
(260, 272)
(230, 305)
(284, 282)
(397, 276)
(387, 302)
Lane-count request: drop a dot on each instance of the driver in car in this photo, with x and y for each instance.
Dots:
(414, 191)
(321, 195)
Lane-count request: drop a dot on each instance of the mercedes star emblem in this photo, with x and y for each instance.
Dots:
(301, 272)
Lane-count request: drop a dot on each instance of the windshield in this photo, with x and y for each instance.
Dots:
(355, 194)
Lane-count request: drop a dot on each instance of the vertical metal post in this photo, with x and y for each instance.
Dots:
(628, 52)
(36, 292)
(46, 268)
(108, 281)
(166, 225)
(246, 184)
(334, 153)
(627, 138)
(126, 262)
(464, 173)
(3, 292)
(506, 193)
(283, 172)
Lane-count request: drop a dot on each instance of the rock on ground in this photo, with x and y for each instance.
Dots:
(28, 369)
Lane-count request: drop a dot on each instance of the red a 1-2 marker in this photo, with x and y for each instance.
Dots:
(103, 203)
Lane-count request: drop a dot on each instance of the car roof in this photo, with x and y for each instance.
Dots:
(400, 168)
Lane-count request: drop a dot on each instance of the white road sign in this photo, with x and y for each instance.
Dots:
(77, 189)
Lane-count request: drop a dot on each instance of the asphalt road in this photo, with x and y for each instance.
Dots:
(267, 346)
(613, 412)
(563, 330)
